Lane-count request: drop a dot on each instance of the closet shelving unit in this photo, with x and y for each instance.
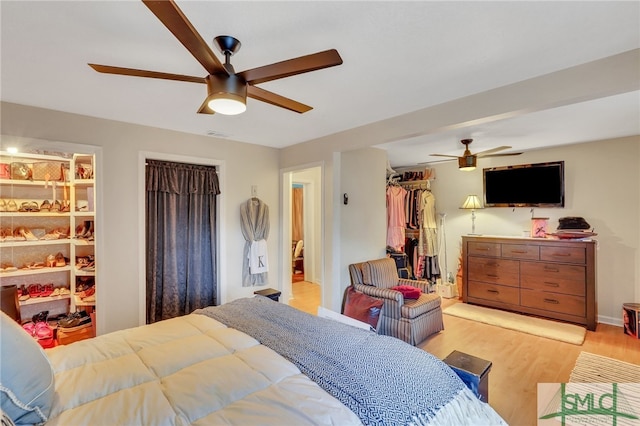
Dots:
(22, 260)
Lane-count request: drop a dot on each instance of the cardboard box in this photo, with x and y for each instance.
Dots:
(66, 337)
(631, 319)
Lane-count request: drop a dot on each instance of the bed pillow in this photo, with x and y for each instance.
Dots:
(26, 376)
(362, 307)
(408, 291)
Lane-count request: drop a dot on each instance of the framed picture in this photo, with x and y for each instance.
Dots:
(539, 227)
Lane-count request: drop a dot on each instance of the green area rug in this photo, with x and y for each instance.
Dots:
(531, 325)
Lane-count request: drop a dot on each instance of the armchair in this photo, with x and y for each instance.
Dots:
(411, 320)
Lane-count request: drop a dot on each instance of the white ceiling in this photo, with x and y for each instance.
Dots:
(398, 57)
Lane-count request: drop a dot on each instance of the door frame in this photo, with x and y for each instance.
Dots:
(286, 179)
(221, 256)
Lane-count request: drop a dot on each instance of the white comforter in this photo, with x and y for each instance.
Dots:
(187, 370)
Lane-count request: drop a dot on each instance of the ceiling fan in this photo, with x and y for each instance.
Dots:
(227, 89)
(468, 160)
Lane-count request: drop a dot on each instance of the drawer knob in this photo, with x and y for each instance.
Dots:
(552, 301)
(548, 269)
(550, 284)
(492, 275)
(518, 251)
(493, 291)
(562, 254)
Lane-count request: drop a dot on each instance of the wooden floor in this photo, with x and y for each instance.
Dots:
(306, 296)
(520, 361)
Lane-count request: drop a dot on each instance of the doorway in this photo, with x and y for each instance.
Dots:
(302, 234)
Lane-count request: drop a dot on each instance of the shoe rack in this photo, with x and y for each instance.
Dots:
(39, 246)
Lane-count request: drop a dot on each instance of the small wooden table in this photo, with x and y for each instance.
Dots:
(473, 371)
(270, 293)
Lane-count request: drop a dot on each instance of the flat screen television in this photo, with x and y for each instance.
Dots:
(525, 185)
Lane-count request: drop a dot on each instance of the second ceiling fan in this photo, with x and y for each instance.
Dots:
(468, 160)
(227, 89)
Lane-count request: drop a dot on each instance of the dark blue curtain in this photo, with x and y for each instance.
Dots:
(181, 238)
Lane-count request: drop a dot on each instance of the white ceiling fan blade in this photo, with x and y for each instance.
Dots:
(491, 151)
(443, 155)
(437, 161)
(503, 155)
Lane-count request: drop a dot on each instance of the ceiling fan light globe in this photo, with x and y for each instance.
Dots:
(227, 94)
(227, 106)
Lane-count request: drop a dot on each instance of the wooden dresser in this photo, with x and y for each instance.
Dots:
(548, 278)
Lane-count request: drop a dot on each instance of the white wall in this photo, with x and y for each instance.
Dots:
(352, 232)
(121, 143)
(602, 182)
(363, 224)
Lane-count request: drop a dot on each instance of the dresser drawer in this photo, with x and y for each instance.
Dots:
(483, 249)
(496, 293)
(553, 302)
(567, 279)
(491, 270)
(563, 254)
(520, 251)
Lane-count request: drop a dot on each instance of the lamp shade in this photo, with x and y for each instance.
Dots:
(472, 202)
(227, 94)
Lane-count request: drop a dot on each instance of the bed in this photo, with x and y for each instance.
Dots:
(248, 362)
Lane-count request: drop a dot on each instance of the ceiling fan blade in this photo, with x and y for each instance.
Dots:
(300, 65)
(107, 69)
(443, 155)
(204, 108)
(172, 17)
(437, 161)
(277, 100)
(491, 151)
(502, 155)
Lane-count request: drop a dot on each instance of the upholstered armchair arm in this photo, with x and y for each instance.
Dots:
(392, 300)
(422, 285)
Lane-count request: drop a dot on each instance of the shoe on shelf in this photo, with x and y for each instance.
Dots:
(47, 290)
(3, 205)
(45, 206)
(60, 260)
(17, 235)
(24, 294)
(64, 291)
(40, 317)
(50, 261)
(56, 292)
(29, 328)
(35, 290)
(12, 206)
(88, 292)
(7, 234)
(26, 233)
(24, 207)
(55, 207)
(8, 267)
(75, 321)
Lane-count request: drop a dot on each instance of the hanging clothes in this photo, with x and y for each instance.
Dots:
(395, 217)
(254, 216)
(428, 225)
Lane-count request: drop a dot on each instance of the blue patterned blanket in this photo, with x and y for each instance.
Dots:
(382, 379)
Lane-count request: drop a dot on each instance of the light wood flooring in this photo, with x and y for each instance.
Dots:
(520, 361)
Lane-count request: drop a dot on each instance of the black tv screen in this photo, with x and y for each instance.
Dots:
(525, 185)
